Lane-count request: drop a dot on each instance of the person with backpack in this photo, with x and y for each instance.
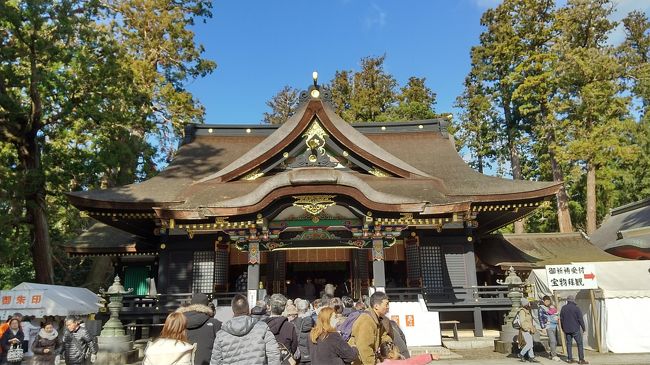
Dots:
(202, 328)
(283, 330)
(524, 322)
(368, 331)
(79, 346)
(326, 346)
(304, 324)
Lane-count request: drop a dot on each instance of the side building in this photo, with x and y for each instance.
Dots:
(382, 205)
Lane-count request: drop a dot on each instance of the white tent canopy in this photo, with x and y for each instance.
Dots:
(622, 307)
(41, 300)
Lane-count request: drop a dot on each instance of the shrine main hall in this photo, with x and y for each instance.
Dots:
(367, 206)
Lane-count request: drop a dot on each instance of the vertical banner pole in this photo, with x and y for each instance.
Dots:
(562, 337)
(596, 320)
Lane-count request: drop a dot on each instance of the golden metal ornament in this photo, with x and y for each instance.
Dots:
(315, 130)
(314, 204)
(253, 175)
(378, 172)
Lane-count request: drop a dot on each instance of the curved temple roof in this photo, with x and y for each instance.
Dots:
(407, 167)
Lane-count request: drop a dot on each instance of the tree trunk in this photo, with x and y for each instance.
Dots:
(515, 164)
(35, 205)
(563, 215)
(35, 192)
(591, 198)
(100, 274)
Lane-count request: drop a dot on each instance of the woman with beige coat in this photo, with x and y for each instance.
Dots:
(171, 348)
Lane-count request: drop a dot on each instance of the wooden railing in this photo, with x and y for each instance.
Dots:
(165, 303)
(456, 296)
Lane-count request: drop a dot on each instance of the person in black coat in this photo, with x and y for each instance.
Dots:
(326, 346)
(304, 324)
(46, 346)
(202, 328)
(13, 336)
(573, 326)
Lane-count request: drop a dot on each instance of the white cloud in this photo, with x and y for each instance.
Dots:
(376, 18)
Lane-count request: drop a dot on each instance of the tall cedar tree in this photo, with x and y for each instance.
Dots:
(589, 99)
(82, 88)
(635, 54)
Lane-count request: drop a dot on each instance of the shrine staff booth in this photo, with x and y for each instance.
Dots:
(621, 304)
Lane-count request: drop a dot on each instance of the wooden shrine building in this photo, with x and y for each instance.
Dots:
(378, 204)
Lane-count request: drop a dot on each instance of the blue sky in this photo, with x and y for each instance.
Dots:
(260, 46)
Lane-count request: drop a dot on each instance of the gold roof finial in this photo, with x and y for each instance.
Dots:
(314, 75)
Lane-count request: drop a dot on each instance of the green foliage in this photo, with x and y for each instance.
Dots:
(367, 95)
(545, 82)
(92, 94)
(283, 105)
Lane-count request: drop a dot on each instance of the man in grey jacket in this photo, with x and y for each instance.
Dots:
(243, 340)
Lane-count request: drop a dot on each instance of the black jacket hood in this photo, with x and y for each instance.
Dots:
(196, 314)
(275, 323)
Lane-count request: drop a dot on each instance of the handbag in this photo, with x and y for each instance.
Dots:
(15, 354)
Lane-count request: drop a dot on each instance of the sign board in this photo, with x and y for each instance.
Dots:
(421, 327)
(20, 299)
(571, 277)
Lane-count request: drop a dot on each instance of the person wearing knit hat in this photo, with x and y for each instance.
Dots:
(526, 330)
(201, 327)
(573, 327)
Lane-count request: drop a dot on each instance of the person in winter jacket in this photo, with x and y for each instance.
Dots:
(282, 329)
(303, 324)
(13, 336)
(527, 329)
(46, 346)
(172, 347)
(202, 328)
(326, 346)
(243, 340)
(368, 333)
(573, 326)
(78, 345)
(399, 339)
(548, 322)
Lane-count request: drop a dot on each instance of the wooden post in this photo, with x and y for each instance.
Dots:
(596, 320)
(559, 325)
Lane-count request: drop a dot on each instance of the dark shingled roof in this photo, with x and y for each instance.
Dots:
(535, 250)
(103, 239)
(421, 155)
(626, 231)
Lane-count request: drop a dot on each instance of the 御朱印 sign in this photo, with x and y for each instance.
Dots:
(571, 277)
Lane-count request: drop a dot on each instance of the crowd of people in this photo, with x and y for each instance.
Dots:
(277, 330)
(19, 336)
(569, 319)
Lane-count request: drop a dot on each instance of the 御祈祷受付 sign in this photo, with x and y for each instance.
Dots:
(571, 277)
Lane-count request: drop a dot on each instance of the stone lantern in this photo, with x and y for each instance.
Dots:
(506, 342)
(115, 346)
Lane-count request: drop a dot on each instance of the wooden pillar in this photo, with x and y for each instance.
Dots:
(163, 265)
(470, 264)
(378, 267)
